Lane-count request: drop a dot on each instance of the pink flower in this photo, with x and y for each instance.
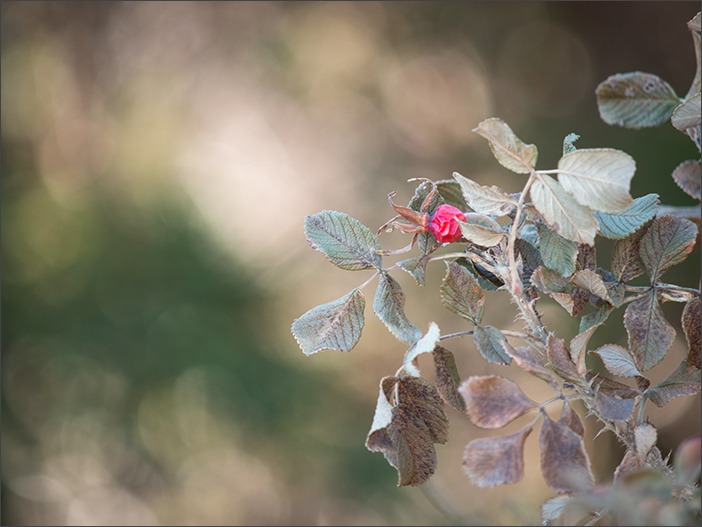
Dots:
(443, 224)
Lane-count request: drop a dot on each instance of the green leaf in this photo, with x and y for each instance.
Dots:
(617, 360)
(564, 461)
(345, 241)
(685, 380)
(688, 176)
(687, 115)
(635, 100)
(557, 253)
(528, 259)
(461, 293)
(666, 243)
(493, 401)
(334, 325)
(598, 178)
(447, 378)
(416, 266)
(650, 334)
(561, 212)
(626, 260)
(486, 200)
(420, 196)
(491, 344)
(389, 305)
(548, 281)
(621, 224)
(452, 194)
(507, 148)
(426, 344)
(568, 143)
(493, 461)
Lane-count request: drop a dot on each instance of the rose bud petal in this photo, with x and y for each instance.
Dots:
(444, 225)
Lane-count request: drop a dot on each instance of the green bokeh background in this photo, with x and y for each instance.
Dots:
(158, 160)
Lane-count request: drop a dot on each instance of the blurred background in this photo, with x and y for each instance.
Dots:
(158, 160)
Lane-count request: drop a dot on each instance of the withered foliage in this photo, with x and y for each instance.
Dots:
(538, 246)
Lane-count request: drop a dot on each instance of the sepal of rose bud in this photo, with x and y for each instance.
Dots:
(444, 223)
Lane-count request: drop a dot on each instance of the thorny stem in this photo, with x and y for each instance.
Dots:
(640, 414)
(513, 234)
(516, 288)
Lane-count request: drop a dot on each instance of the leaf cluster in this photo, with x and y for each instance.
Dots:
(535, 246)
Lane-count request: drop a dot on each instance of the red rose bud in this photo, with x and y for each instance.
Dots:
(444, 225)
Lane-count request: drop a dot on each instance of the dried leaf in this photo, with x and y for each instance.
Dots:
(507, 148)
(419, 200)
(635, 100)
(619, 225)
(614, 400)
(493, 461)
(683, 381)
(345, 241)
(527, 359)
(378, 439)
(587, 257)
(486, 200)
(691, 326)
(481, 235)
(626, 260)
(592, 282)
(645, 437)
(650, 334)
(688, 176)
(558, 356)
(426, 344)
(493, 402)
(417, 422)
(570, 418)
(578, 345)
(687, 115)
(561, 212)
(666, 243)
(447, 378)
(617, 360)
(491, 344)
(389, 305)
(564, 461)
(334, 325)
(598, 178)
(461, 293)
(557, 253)
(628, 465)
